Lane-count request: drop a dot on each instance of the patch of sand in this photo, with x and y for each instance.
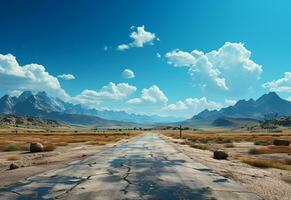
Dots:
(267, 183)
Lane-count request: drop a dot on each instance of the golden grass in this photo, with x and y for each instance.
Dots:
(226, 137)
(229, 145)
(21, 141)
(49, 147)
(265, 163)
(270, 150)
(13, 158)
(201, 146)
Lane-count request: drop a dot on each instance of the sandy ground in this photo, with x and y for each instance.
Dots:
(34, 163)
(267, 183)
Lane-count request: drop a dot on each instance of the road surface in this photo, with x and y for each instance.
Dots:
(146, 167)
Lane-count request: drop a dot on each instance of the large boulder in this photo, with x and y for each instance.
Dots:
(279, 142)
(36, 147)
(13, 166)
(219, 154)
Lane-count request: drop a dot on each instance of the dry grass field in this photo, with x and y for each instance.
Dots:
(21, 141)
(255, 149)
(60, 148)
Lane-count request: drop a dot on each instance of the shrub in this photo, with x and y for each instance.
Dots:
(253, 151)
(49, 147)
(200, 146)
(263, 143)
(14, 147)
(228, 145)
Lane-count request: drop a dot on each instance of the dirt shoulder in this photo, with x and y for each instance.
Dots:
(34, 163)
(267, 183)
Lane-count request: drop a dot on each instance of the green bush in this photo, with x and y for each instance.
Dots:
(14, 147)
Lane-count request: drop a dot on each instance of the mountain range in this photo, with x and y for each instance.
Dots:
(268, 106)
(41, 105)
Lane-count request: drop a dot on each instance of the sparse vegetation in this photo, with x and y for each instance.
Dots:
(200, 146)
(262, 142)
(13, 158)
(270, 150)
(14, 147)
(21, 141)
(49, 147)
(264, 163)
(229, 145)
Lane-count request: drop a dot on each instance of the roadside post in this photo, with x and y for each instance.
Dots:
(180, 131)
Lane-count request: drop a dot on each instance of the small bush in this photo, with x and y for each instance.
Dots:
(200, 146)
(263, 143)
(228, 145)
(49, 147)
(288, 161)
(14, 147)
(253, 151)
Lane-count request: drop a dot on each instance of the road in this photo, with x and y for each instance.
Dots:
(146, 167)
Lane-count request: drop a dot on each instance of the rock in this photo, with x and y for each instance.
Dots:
(13, 166)
(219, 154)
(279, 142)
(36, 147)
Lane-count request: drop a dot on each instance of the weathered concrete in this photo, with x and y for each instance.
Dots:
(146, 167)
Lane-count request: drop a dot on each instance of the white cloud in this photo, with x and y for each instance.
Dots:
(180, 58)
(122, 47)
(139, 37)
(111, 91)
(127, 73)
(66, 76)
(280, 85)
(190, 106)
(230, 102)
(28, 77)
(227, 69)
(158, 55)
(289, 99)
(152, 95)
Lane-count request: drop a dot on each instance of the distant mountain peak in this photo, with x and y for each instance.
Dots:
(25, 95)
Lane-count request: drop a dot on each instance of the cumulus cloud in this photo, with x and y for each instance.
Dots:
(66, 76)
(151, 95)
(127, 73)
(140, 37)
(191, 106)
(227, 69)
(280, 85)
(122, 47)
(158, 55)
(111, 91)
(28, 77)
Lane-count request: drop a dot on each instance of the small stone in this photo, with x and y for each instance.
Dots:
(219, 154)
(36, 147)
(13, 166)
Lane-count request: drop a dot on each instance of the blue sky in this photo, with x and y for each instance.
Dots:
(75, 44)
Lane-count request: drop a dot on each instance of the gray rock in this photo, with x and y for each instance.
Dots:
(13, 166)
(279, 142)
(219, 154)
(36, 147)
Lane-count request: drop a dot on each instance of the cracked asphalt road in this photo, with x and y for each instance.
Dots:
(146, 167)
